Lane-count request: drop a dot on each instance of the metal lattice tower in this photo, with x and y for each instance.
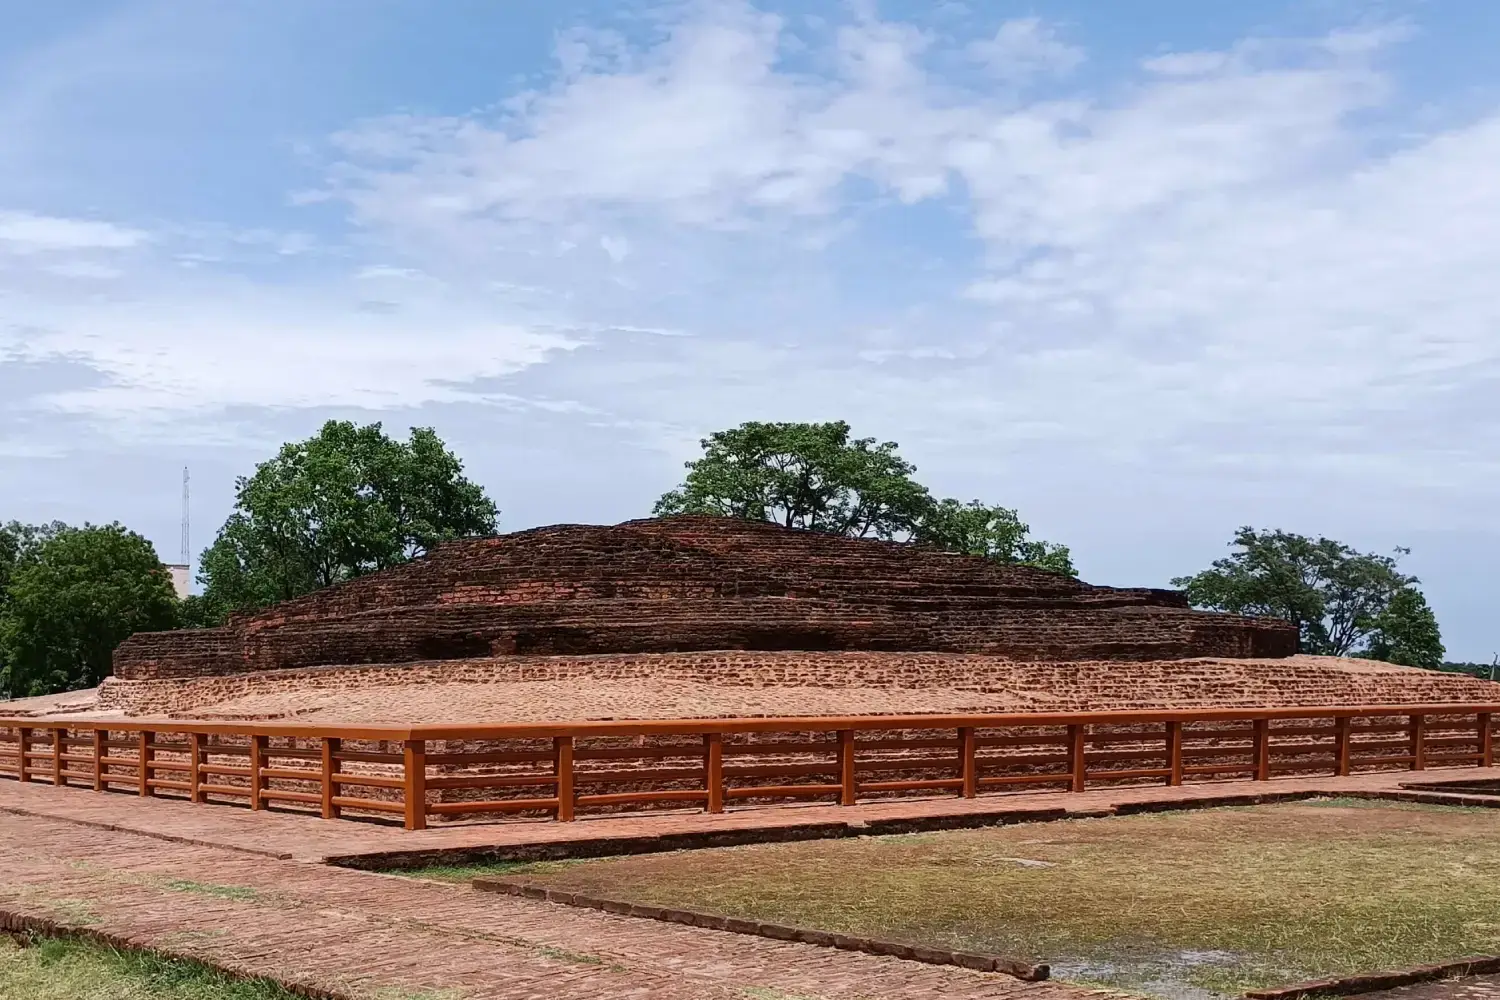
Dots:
(185, 558)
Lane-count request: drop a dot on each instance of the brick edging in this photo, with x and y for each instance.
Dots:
(694, 840)
(697, 840)
(779, 932)
(21, 924)
(1353, 985)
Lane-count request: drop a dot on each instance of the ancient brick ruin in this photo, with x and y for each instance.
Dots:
(689, 617)
(683, 584)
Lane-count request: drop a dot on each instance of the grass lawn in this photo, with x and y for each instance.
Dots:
(1184, 905)
(66, 969)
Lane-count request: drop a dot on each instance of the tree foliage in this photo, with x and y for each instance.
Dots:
(348, 501)
(1406, 632)
(816, 477)
(997, 533)
(71, 596)
(809, 476)
(1340, 600)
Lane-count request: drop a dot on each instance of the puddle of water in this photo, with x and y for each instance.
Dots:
(1159, 975)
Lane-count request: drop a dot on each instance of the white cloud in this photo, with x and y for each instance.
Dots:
(1025, 48)
(27, 232)
(218, 345)
(618, 247)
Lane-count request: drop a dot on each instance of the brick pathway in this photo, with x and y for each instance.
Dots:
(1473, 988)
(241, 890)
(365, 935)
(305, 838)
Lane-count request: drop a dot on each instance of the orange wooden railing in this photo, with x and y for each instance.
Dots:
(416, 772)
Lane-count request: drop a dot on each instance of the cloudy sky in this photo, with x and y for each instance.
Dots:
(1145, 271)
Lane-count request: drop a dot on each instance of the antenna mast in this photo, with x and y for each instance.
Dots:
(185, 559)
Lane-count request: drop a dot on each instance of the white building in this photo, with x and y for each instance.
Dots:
(181, 578)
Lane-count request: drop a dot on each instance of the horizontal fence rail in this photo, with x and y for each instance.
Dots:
(413, 773)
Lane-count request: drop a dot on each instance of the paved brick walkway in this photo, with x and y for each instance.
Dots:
(1473, 988)
(366, 935)
(305, 838)
(244, 891)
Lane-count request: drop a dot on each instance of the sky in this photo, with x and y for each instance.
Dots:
(1146, 272)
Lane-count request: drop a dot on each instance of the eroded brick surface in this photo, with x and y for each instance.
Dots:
(743, 683)
(696, 583)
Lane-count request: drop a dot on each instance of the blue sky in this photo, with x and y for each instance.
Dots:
(1145, 271)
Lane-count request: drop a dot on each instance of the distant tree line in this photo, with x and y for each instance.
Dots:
(351, 500)
(1484, 671)
(1343, 602)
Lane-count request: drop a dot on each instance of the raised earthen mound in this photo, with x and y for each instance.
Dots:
(692, 584)
(745, 684)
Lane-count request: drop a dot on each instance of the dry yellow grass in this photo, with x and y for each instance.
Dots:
(1186, 904)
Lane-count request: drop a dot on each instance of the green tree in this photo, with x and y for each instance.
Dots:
(997, 533)
(72, 597)
(348, 501)
(809, 476)
(1331, 593)
(18, 545)
(817, 478)
(1406, 632)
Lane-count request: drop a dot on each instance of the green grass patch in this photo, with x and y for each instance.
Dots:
(464, 873)
(69, 969)
(575, 957)
(240, 892)
(1193, 904)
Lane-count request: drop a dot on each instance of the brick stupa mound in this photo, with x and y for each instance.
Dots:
(700, 616)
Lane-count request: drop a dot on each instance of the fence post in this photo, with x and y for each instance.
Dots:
(1486, 741)
(713, 770)
(1077, 755)
(331, 746)
(57, 757)
(23, 737)
(144, 740)
(101, 736)
(1262, 730)
(258, 746)
(414, 758)
(562, 767)
(1342, 734)
(197, 745)
(1418, 742)
(846, 767)
(968, 765)
(1174, 753)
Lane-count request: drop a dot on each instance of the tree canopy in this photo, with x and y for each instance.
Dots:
(809, 476)
(997, 533)
(1406, 632)
(71, 595)
(348, 501)
(1343, 602)
(816, 477)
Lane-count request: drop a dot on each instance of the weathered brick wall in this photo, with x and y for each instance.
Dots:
(696, 583)
(994, 684)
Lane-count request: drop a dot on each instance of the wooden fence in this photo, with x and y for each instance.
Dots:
(411, 773)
